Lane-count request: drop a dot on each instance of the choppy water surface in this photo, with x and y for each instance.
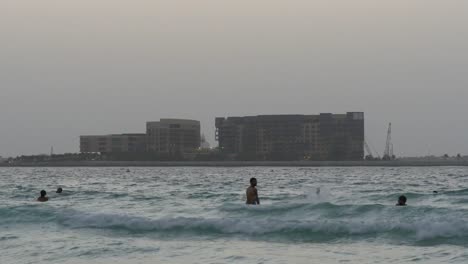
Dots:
(198, 215)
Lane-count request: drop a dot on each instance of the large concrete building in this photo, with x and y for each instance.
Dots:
(291, 137)
(167, 136)
(172, 136)
(113, 143)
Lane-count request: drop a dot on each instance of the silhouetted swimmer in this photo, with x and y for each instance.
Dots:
(252, 194)
(59, 190)
(43, 197)
(401, 201)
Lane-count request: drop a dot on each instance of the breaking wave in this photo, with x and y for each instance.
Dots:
(304, 223)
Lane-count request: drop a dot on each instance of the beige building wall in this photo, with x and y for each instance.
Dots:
(113, 143)
(173, 136)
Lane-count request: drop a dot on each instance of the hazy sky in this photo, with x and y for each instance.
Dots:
(73, 67)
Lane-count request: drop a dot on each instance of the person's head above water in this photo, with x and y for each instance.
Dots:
(253, 182)
(43, 197)
(59, 190)
(401, 200)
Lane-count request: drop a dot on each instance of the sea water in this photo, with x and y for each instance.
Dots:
(198, 215)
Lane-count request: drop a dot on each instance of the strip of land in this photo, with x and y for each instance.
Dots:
(381, 163)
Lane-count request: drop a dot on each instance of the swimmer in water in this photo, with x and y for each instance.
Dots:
(59, 190)
(401, 201)
(252, 194)
(43, 197)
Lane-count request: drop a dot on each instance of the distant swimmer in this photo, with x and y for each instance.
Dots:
(252, 194)
(401, 201)
(43, 197)
(59, 190)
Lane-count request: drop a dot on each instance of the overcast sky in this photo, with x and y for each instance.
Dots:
(73, 67)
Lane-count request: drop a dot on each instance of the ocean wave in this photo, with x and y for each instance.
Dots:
(303, 207)
(26, 213)
(456, 192)
(8, 237)
(306, 230)
(403, 225)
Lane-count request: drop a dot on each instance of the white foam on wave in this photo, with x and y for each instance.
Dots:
(440, 229)
(319, 194)
(422, 229)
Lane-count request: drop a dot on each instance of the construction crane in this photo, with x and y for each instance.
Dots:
(370, 154)
(388, 153)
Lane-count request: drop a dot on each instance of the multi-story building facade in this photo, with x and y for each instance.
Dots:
(115, 143)
(278, 137)
(170, 136)
(167, 136)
